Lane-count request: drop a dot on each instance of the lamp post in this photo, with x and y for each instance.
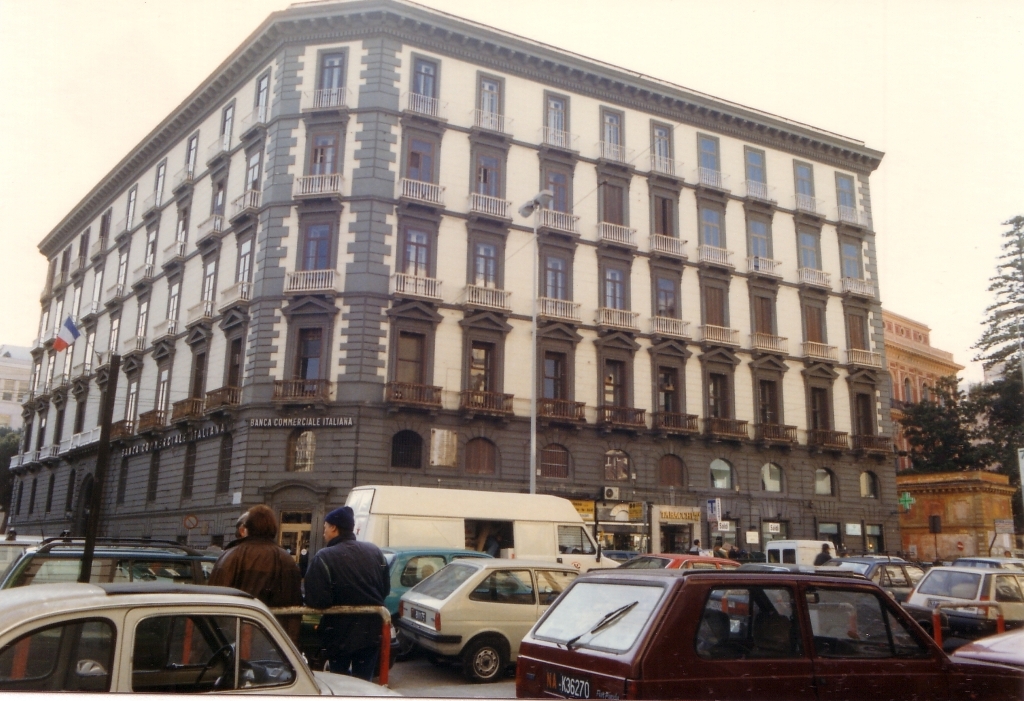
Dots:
(540, 200)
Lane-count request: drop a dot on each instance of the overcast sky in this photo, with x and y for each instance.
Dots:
(935, 85)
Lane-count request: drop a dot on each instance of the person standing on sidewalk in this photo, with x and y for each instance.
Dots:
(348, 572)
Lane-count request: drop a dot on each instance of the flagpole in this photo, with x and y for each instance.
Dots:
(102, 462)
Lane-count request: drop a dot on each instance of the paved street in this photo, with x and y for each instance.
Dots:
(418, 677)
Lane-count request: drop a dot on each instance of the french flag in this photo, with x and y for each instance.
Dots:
(68, 334)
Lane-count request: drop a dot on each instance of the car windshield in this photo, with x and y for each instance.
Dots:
(646, 563)
(603, 616)
(858, 567)
(442, 583)
(959, 585)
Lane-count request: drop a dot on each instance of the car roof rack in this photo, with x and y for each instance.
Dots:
(169, 588)
(140, 543)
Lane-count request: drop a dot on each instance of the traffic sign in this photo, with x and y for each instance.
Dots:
(190, 521)
(1004, 525)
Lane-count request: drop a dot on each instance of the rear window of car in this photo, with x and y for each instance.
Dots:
(646, 563)
(603, 616)
(59, 570)
(958, 585)
(441, 584)
(858, 567)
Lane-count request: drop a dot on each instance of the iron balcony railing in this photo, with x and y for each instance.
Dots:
(559, 221)
(82, 369)
(175, 252)
(152, 420)
(672, 422)
(558, 309)
(201, 311)
(719, 334)
(857, 356)
(622, 416)
(412, 394)
(420, 191)
(302, 390)
(813, 349)
(616, 234)
(222, 397)
(426, 105)
(807, 203)
(328, 98)
(726, 428)
(121, 227)
(213, 224)
(91, 308)
(479, 402)
(220, 146)
(85, 437)
(775, 433)
(857, 286)
(488, 297)
(152, 202)
(769, 342)
(559, 139)
(562, 410)
(828, 439)
(312, 185)
(135, 344)
(815, 277)
(667, 245)
(612, 152)
(237, 293)
(117, 291)
(491, 206)
(619, 318)
(756, 265)
(255, 118)
(852, 215)
(144, 272)
(491, 121)
(311, 281)
(97, 247)
(872, 444)
(669, 326)
(714, 255)
(187, 409)
(78, 264)
(248, 201)
(122, 429)
(663, 164)
(712, 177)
(415, 286)
(167, 327)
(757, 190)
(182, 177)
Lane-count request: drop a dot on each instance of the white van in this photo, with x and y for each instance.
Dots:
(799, 552)
(534, 526)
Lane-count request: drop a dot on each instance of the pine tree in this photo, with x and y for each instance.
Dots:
(940, 431)
(999, 341)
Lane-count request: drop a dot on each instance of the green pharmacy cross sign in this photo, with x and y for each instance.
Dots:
(906, 501)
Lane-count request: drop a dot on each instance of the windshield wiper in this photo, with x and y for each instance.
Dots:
(607, 620)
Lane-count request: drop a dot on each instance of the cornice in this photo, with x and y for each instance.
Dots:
(452, 36)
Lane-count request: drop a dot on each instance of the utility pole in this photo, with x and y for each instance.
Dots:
(102, 463)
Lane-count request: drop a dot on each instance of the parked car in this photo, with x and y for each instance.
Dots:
(1004, 648)
(1005, 563)
(12, 549)
(477, 611)
(967, 585)
(410, 566)
(620, 555)
(59, 560)
(153, 638)
(673, 634)
(895, 575)
(672, 561)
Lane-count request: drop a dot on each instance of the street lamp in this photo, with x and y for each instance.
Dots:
(541, 200)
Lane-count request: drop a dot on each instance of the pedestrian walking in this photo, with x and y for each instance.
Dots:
(695, 548)
(824, 556)
(348, 572)
(257, 565)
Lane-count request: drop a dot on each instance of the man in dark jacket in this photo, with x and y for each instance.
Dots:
(348, 572)
(256, 564)
(824, 556)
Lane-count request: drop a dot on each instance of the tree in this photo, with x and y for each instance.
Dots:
(940, 431)
(999, 341)
(998, 407)
(10, 442)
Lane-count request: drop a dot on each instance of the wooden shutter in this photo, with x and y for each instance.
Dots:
(764, 309)
(714, 306)
(815, 323)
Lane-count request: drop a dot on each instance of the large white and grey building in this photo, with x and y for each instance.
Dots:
(316, 275)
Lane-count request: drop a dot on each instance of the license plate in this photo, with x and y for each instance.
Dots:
(567, 685)
(420, 616)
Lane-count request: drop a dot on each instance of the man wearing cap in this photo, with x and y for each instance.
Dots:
(348, 572)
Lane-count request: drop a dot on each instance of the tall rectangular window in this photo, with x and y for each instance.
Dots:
(480, 367)
(711, 227)
(90, 348)
(129, 214)
(409, 367)
(323, 155)
(557, 181)
(83, 244)
(614, 288)
(105, 223)
(308, 353)
(845, 193)
(758, 239)
(150, 252)
(554, 383)
(809, 257)
(243, 269)
(490, 99)
(424, 80)
(850, 252)
(667, 297)
(662, 146)
(764, 315)
(332, 72)
(555, 115)
(97, 288)
(234, 377)
(173, 300)
(181, 229)
(488, 175)
(420, 162)
(252, 172)
(158, 186)
(131, 400)
(142, 320)
(79, 425)
(664, 216)
(316, 253)
(708, 153)
(189, 471)
(814, 320)
(611, 200)
(227, 121)
(755, 166)
(115, 328)
(856, 326)
(209, 280)
(220, 193)
(821, 417)
(668, 390)
(198, 389)
(864, 420)
(614, 383)
(122, 266)
(718, 396)
(191, 153)
(714, 306)
(768, 402)
(262, 96)
(154, 476)
(417, 253)
(485, 265)
(611, 128)
(804, 179)
(556, 282)
(163, 388)
(76, 301)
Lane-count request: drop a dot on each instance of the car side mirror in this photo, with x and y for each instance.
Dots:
(90, 668)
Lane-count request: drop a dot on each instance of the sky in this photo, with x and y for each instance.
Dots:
(935, 84)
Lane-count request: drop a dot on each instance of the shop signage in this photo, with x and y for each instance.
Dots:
(679, 514)
(714, 509)
(636, 511)
(724, 527)
(753, 537)
(1004, 525)
(177, 439)
(584, 507)
(303, 422)
(853, 529)
(774, 527)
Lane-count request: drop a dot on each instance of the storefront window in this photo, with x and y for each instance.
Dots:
(873, 540)
(773, 530)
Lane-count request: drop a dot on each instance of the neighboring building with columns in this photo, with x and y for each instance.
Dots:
(15, 371)
(316, 274)
(914, 368)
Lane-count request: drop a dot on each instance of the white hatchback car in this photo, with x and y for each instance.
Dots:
(967, 586)
(153, 638)
(478, 611)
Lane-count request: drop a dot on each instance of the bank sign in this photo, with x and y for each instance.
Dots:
(303, 422)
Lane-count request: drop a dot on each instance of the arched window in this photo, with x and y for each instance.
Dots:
(303, 451)
(69, 499)
(721, 474)
(908, 392)
(824, 483)
(554, 462)
(771, 477)
(406, 449)
(868, 485)
(670, 471)
(616, 465)
(481, 457)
